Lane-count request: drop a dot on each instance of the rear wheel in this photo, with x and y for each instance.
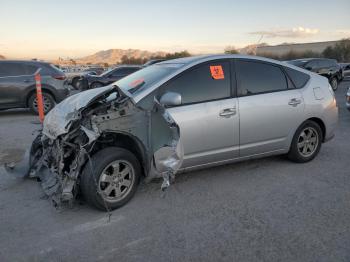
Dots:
(111, 179)
(48, 103)
(306, 142)
(75, 83)
(334, 83)
(96, 85)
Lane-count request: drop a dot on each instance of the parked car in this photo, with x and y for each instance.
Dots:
(181, 115)
(74, 77)
(110, 76)
(348, 99)
(17, 84)
(325, 67)
(346, 70)
(152, 62)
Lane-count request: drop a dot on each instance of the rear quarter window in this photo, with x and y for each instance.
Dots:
(298, 78)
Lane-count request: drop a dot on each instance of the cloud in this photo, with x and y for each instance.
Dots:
(296, 32)
(343, 32)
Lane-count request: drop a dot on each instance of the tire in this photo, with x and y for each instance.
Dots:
(75, 82)
(334, 83)
(101, 183)
(96, 85)
(49, 103)
(306, 142)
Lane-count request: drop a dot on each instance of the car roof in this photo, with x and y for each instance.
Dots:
(128, 66)
(192, 60)
(26, 62)
(310, 59)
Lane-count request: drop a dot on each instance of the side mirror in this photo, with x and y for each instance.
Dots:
(171, 99)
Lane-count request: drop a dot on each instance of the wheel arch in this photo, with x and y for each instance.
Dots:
(33, 91)
(94, 82)
(320, 122)
(126, 141)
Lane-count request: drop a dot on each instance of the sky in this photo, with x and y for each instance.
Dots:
(48, 29)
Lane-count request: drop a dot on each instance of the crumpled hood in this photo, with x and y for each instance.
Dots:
(58, 120)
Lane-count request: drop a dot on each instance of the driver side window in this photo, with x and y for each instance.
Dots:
(201, 83)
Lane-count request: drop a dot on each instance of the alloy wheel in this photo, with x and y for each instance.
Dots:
(308, 141)
(116, 180)
(334, 83)
(46, 103)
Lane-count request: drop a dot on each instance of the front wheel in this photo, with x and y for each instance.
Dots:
(96, 85)
(110, 180)
(306, 142)
(334, 83)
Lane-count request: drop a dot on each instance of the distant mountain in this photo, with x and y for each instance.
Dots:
(113, 56)
(2, 57)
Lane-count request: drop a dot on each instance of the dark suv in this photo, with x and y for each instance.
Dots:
(322, 66)
(17, 84)
(110, 76)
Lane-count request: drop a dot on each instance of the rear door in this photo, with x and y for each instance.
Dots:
(270, 108)
(208, 116)
(15, 78)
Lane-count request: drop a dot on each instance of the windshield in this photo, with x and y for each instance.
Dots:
(300, 63)
(145, 78)
(108, 71)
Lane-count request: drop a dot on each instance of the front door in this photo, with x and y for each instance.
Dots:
(13, 81)
(208, 117)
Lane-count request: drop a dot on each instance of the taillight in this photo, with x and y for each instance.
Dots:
(59, 77)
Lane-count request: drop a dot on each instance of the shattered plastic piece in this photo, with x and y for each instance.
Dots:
(19, 169)
(90, 134)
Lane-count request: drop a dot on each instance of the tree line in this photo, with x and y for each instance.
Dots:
(139, 61)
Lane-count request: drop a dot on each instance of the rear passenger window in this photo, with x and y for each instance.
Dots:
(209, 81)
(256, 78)
(298, 78)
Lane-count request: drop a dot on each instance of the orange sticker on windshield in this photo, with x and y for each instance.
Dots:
(217, 72)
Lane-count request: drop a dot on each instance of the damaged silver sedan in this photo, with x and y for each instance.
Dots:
(179, 115)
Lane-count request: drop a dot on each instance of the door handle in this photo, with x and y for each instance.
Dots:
(227, 112)
(294, 102)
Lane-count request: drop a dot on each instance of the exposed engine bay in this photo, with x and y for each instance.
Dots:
(87, 122)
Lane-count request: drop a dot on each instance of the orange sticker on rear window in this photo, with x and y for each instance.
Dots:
(217, 72)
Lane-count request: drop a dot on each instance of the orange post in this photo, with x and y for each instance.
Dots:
(39, 96)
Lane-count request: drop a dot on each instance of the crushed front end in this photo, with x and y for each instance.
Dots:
(83, 123)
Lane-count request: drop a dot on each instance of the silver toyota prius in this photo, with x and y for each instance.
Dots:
(180, 115)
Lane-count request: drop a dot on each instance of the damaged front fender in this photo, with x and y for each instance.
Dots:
(76, 129)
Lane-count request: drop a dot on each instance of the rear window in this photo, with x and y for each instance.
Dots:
(298, 78)
(300, 63)
(145, 78)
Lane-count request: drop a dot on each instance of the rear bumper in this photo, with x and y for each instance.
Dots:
(331, 120)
